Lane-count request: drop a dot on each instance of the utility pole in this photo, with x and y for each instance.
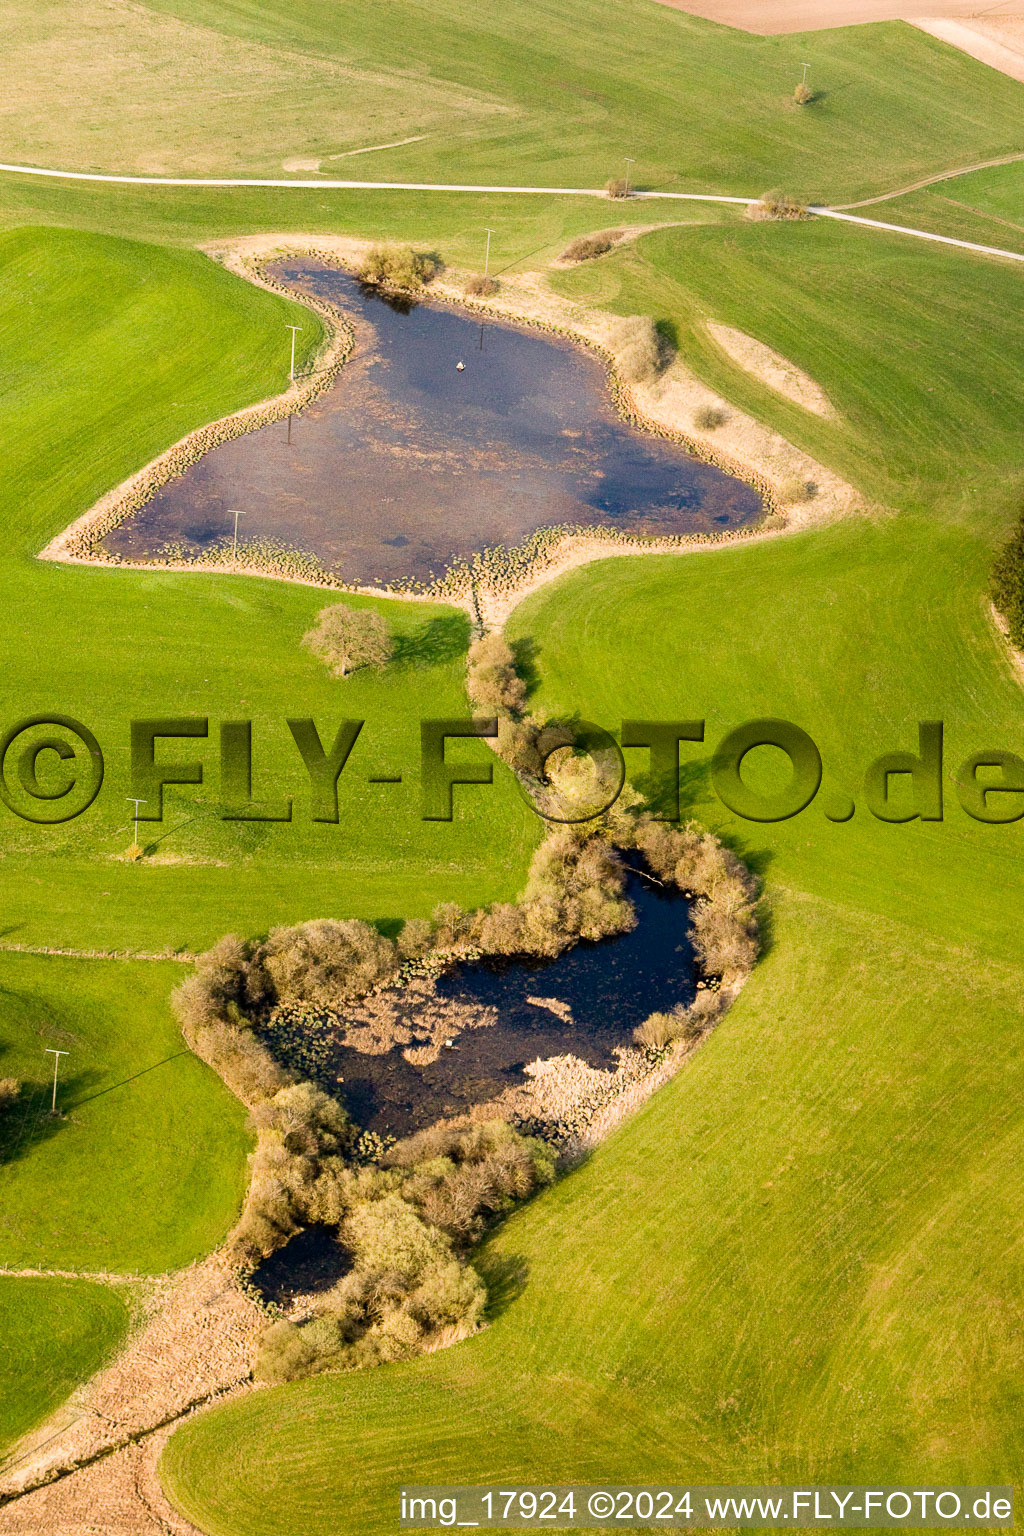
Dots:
(291, 371)
(234, 545)
(56, 1063)
(629, 161)
(133, 801)
(804, 80)
(487, 253)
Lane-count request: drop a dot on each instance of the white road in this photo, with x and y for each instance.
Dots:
(327, 183)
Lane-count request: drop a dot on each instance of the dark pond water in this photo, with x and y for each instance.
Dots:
(407, 462)
(609, 988)
(309, 1263)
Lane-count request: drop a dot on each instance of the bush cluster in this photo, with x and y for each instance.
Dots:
(481, 287)
(780, 205)
(495, 688)
(797, 490)
(639, 349)
(586, 247)
(345, 639)
(462, 1176)
(407, 1225)
(1007, 584)
(407, 1219)
(398, 266)
(709, 417)
(325, 961)
(723, 915)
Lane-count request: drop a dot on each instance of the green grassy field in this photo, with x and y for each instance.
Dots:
(985, 206)
(113, 350)
(486, 93)
(144, 1169)
(53, 1334)
(821, 1205)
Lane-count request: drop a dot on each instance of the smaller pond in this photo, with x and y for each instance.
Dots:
(309, 1263)
(410, 461)
(584, 1003)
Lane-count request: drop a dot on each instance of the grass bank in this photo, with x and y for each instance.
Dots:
(922, 424)
(53, 1334)
(143, 1170)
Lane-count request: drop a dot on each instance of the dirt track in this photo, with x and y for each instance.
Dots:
(769, 16)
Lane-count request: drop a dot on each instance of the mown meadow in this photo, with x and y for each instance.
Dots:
(821, 1207)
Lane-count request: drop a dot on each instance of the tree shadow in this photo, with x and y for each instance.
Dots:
(668, 342)
(29, 1121)
(659, 790)
(435, 642)
(505, 1276)
(526, 652)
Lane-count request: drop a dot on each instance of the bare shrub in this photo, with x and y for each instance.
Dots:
(586, 247)
(462, 1176)
(324, 961)
(492, 682)
(725, 940)
(284, 1354)
(481, 287)
(638, 348)
(299, 1172)
(10, 1088)
(451, 926)
(501, 929)
(803, 95)
(388, 1235)
(345, 639)
(779, 205)
(796, 490)
(242, 1061)
(307, 1121)
(415, 938)
(617, 186)
(398, 266)
(709, 417)
(575, 890)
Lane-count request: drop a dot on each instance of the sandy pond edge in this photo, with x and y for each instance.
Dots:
(741, 446)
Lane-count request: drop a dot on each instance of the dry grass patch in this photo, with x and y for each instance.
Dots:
(130, 89)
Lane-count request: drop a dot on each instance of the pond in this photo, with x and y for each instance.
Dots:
(408, 462)
(508, 1013)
